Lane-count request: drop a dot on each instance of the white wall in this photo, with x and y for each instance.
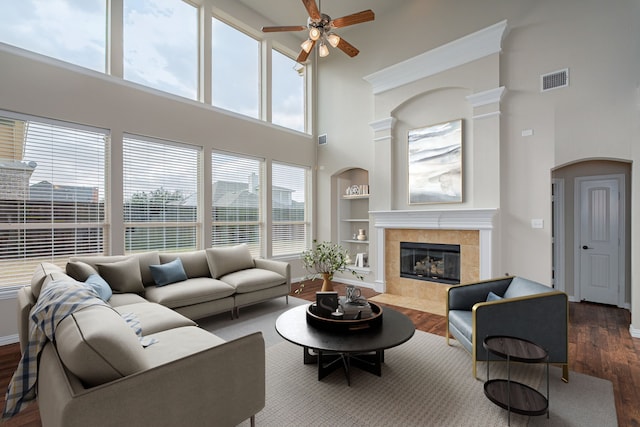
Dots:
(595, 117)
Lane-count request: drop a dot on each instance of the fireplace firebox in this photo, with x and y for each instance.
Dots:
(430, 262)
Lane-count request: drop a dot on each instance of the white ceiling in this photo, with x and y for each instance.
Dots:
(293, 12)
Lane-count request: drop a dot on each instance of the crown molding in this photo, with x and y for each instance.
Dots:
(453, 54)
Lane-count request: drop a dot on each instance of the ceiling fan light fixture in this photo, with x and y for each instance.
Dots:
(333, 39)
(307, 45)
(323, 50)
(314, 33)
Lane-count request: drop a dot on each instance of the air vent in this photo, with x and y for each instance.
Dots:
(322, 139)
(554, 80)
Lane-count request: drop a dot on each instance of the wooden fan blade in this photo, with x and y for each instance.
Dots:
(283, 28)
(356, 18)
(312, 9)
(304, 54)
(347, 48)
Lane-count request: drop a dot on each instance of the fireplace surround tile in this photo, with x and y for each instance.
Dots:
(468, 240)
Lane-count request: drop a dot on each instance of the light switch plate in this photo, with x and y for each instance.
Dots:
(537, 223)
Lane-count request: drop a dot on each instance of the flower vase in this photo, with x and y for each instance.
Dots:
(327, 286)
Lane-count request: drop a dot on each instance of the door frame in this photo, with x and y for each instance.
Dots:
(558, 234)
(621, 233)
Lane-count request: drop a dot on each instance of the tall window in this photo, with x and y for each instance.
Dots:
(237, 217)
(160, 195)
(289, 205)
(288, 92)
(235, 69)
(73, 30)
(52, 187)
(161, 45)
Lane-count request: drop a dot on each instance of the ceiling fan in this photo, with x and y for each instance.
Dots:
(321, 27)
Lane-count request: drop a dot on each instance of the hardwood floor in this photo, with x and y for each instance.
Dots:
(599, 345)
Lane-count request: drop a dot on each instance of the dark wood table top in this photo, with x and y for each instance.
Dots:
(517, 349)
(396, 329)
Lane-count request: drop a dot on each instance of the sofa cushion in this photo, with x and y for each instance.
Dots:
(493, 297)
(462, 320)
(253, 279)
(40, 275)
(117, 300)
(194, 263)
(80, 270)
(171, 272)
(97, 345)
(520, 287)
(98, 284)
(229, 259)
(177, 343)
(122, 276)
(145, 259)
(155, 317)
(189, 292)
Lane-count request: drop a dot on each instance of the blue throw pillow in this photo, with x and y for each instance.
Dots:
(171, 272)
(493, 297)
(97, 283)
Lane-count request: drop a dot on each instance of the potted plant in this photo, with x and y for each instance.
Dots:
(325, 259)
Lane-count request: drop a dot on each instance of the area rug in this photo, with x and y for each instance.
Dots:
(424, 382)
(253, 318)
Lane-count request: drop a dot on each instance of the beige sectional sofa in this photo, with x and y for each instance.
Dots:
(98, 373)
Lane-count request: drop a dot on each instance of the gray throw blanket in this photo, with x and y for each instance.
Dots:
(57, 300)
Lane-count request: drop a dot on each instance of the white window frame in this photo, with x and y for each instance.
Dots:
(195, 225)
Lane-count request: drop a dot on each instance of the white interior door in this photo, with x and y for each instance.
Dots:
(599, 240)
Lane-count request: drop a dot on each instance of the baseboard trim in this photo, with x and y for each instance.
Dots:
(9, 339)
(9, 292)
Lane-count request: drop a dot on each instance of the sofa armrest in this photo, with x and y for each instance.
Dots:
(223, 385)
(26, 301)
(280, 267)
(541, 318)
(463, 297)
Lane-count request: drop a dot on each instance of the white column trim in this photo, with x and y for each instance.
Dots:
(486, 97)
(383, 124)
(486, 115)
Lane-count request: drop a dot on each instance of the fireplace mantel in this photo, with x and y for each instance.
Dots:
(452, 219)
(483, 220)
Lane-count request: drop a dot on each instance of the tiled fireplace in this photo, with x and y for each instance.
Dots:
(472, 230)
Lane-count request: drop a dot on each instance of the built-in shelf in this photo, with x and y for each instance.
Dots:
(353, 214)
(365, 270)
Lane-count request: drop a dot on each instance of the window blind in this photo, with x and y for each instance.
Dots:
(290, 225)
(160, 191)
(52, 193)
(237, 214)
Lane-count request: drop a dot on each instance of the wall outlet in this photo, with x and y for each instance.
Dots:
(537, 223)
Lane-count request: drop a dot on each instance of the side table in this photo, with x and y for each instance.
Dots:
(512, 395)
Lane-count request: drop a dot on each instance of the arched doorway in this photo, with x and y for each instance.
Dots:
(591, 230)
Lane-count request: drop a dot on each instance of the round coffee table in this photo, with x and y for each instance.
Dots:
(330, 350)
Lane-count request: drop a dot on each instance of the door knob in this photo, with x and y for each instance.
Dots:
(586, 247)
